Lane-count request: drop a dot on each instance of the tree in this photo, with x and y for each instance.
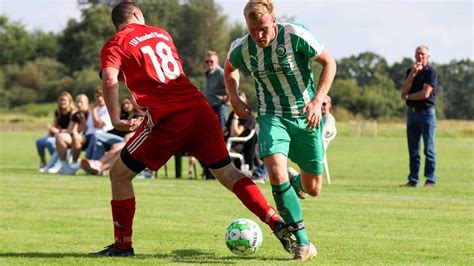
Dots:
(46, 45)
(16, 45)
(208, 30)
(398, 70)
(82, 41)
(163, 14)
(456, 84)
(362, 68)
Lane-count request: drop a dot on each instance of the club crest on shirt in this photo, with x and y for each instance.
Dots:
(281, 50)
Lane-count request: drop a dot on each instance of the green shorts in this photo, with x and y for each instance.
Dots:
(290, 137)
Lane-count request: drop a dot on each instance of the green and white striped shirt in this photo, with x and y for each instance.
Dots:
(282, 73)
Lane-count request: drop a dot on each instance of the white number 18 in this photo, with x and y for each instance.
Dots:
(166, 56)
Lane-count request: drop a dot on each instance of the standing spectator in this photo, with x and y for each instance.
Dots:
(62, 116)
(178, 119)
(278, 55)
(214, 89)
(328, 119)
(419, 92)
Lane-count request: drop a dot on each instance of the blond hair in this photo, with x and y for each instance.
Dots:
(255, 9)
(211, 53)
(84, 98)
(71, 107)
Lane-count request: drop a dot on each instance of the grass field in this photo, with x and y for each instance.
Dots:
(361, 218)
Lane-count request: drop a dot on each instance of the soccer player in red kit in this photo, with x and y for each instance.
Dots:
(178, 119)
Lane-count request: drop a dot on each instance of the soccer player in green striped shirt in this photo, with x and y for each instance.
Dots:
(278, 56)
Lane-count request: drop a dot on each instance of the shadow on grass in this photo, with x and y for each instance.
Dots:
(42, 255)
(180, 256)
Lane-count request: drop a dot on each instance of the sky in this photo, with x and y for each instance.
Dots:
(392, 29)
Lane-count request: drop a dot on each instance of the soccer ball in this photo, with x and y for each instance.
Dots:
(243, 237)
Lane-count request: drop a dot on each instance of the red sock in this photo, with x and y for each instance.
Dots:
(253, 199)
(122, 214)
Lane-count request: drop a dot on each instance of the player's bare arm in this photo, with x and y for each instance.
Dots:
(110, 87)
(232, 78)
(328, 73)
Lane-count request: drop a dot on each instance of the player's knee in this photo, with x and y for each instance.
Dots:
(119, 172)
(314, 191)
(227, 175)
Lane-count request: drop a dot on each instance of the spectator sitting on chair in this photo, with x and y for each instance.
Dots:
(97, 121)
(328, 119)
(239, 127)
(61, 119)
(77, 126)
(101, 142)
(96, 166)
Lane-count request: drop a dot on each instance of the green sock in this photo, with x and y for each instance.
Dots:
(296, 183)
(289, 208)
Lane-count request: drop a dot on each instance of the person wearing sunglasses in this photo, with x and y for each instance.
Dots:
(214, 88)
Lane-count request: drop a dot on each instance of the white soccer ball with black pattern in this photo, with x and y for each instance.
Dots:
(243, 237)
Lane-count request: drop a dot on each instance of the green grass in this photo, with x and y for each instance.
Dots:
(361, 218)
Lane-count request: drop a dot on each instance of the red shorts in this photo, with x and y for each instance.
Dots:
(196, 131)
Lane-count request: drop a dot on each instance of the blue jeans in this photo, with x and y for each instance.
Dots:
(221, 112)
(421, 123)
(99, 143)
(46, 142)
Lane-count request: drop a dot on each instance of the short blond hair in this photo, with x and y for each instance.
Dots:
(211, 53)
(255, 9)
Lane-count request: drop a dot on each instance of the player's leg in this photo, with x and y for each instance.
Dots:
(209, 147)
(132, 160)
(307, 150)
(285, 197)
(277, 137)
(123, 209)
(251, 196)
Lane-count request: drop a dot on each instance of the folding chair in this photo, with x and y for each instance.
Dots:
(244, 166)
(326, 141)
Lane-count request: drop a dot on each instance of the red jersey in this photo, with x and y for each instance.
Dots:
(148, 60)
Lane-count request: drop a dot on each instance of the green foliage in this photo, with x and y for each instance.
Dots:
(398, 71)
(362, 68)
(457, 85)
(163, 14)
(16, 44)
(35, 67)
(208, 30)
(84, 81)
(36, 109)
(82, 40)
(33, 82)
(46, 45)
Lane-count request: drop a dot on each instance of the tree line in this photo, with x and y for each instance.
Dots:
(36, 66)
